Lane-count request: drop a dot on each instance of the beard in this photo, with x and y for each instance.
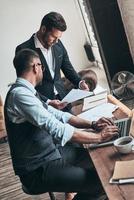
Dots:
(47, 43)
(39, 81)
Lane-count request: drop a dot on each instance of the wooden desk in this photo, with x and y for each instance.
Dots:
(124, 111)
(104, 159)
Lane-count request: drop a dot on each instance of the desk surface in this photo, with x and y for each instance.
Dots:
(104, 159)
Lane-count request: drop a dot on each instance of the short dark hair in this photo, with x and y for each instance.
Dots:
(23, 59)
(54, 20)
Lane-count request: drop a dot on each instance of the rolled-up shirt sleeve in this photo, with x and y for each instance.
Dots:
(62, 116)
(25, 106)
(68, 133)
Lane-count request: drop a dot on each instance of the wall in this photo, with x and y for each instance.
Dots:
(127, 12)
(20, 19)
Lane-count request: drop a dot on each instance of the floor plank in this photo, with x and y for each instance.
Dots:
(10, 186)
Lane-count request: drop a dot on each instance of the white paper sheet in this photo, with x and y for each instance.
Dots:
(99, 89)
(103, 110)
(76, 94)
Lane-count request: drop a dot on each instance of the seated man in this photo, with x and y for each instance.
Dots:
(38, 137)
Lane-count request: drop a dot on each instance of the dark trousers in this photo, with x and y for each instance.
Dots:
(73, 173)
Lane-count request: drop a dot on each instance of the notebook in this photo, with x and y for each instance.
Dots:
(123, 172)
(124, 130)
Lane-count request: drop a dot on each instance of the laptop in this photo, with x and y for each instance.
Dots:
(124, 125)
(131, 132)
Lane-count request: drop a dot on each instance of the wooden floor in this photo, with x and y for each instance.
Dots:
(10, 187)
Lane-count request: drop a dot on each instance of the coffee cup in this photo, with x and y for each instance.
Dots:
(124, 144)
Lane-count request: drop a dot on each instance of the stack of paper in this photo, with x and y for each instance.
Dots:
(103, 110)
(99, 97)
(123, 172)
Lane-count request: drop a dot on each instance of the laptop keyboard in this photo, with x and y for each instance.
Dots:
(122, 127)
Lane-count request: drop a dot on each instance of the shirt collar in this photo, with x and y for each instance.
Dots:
(38, 43)
(27, 84)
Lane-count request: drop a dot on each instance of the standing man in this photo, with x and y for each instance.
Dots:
(53, 55)
(38, 136)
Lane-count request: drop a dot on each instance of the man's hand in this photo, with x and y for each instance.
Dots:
(57, 104)
(108, 132)
(90, 78)
(84, 85)
(101, 123)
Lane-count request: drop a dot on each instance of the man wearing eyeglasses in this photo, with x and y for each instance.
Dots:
(38, 136)
(53, 55)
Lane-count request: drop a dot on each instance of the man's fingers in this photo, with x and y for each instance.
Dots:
(111, 129)
(108, 121)
(62, 105)
(108, 132)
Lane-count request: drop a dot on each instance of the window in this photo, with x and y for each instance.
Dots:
(89, 32)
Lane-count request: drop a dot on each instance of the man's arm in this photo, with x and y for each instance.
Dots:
(70, 72)
(89, 137)
(104, 128)
(96, 125)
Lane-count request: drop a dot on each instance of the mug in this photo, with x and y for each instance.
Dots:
(124, 144)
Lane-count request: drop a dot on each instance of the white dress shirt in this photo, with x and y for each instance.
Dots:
(48, 56)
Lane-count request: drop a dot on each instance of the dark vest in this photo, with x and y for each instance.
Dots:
(30, 146)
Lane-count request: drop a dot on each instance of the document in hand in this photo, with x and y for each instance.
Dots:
(123, 172)
(76, 94)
